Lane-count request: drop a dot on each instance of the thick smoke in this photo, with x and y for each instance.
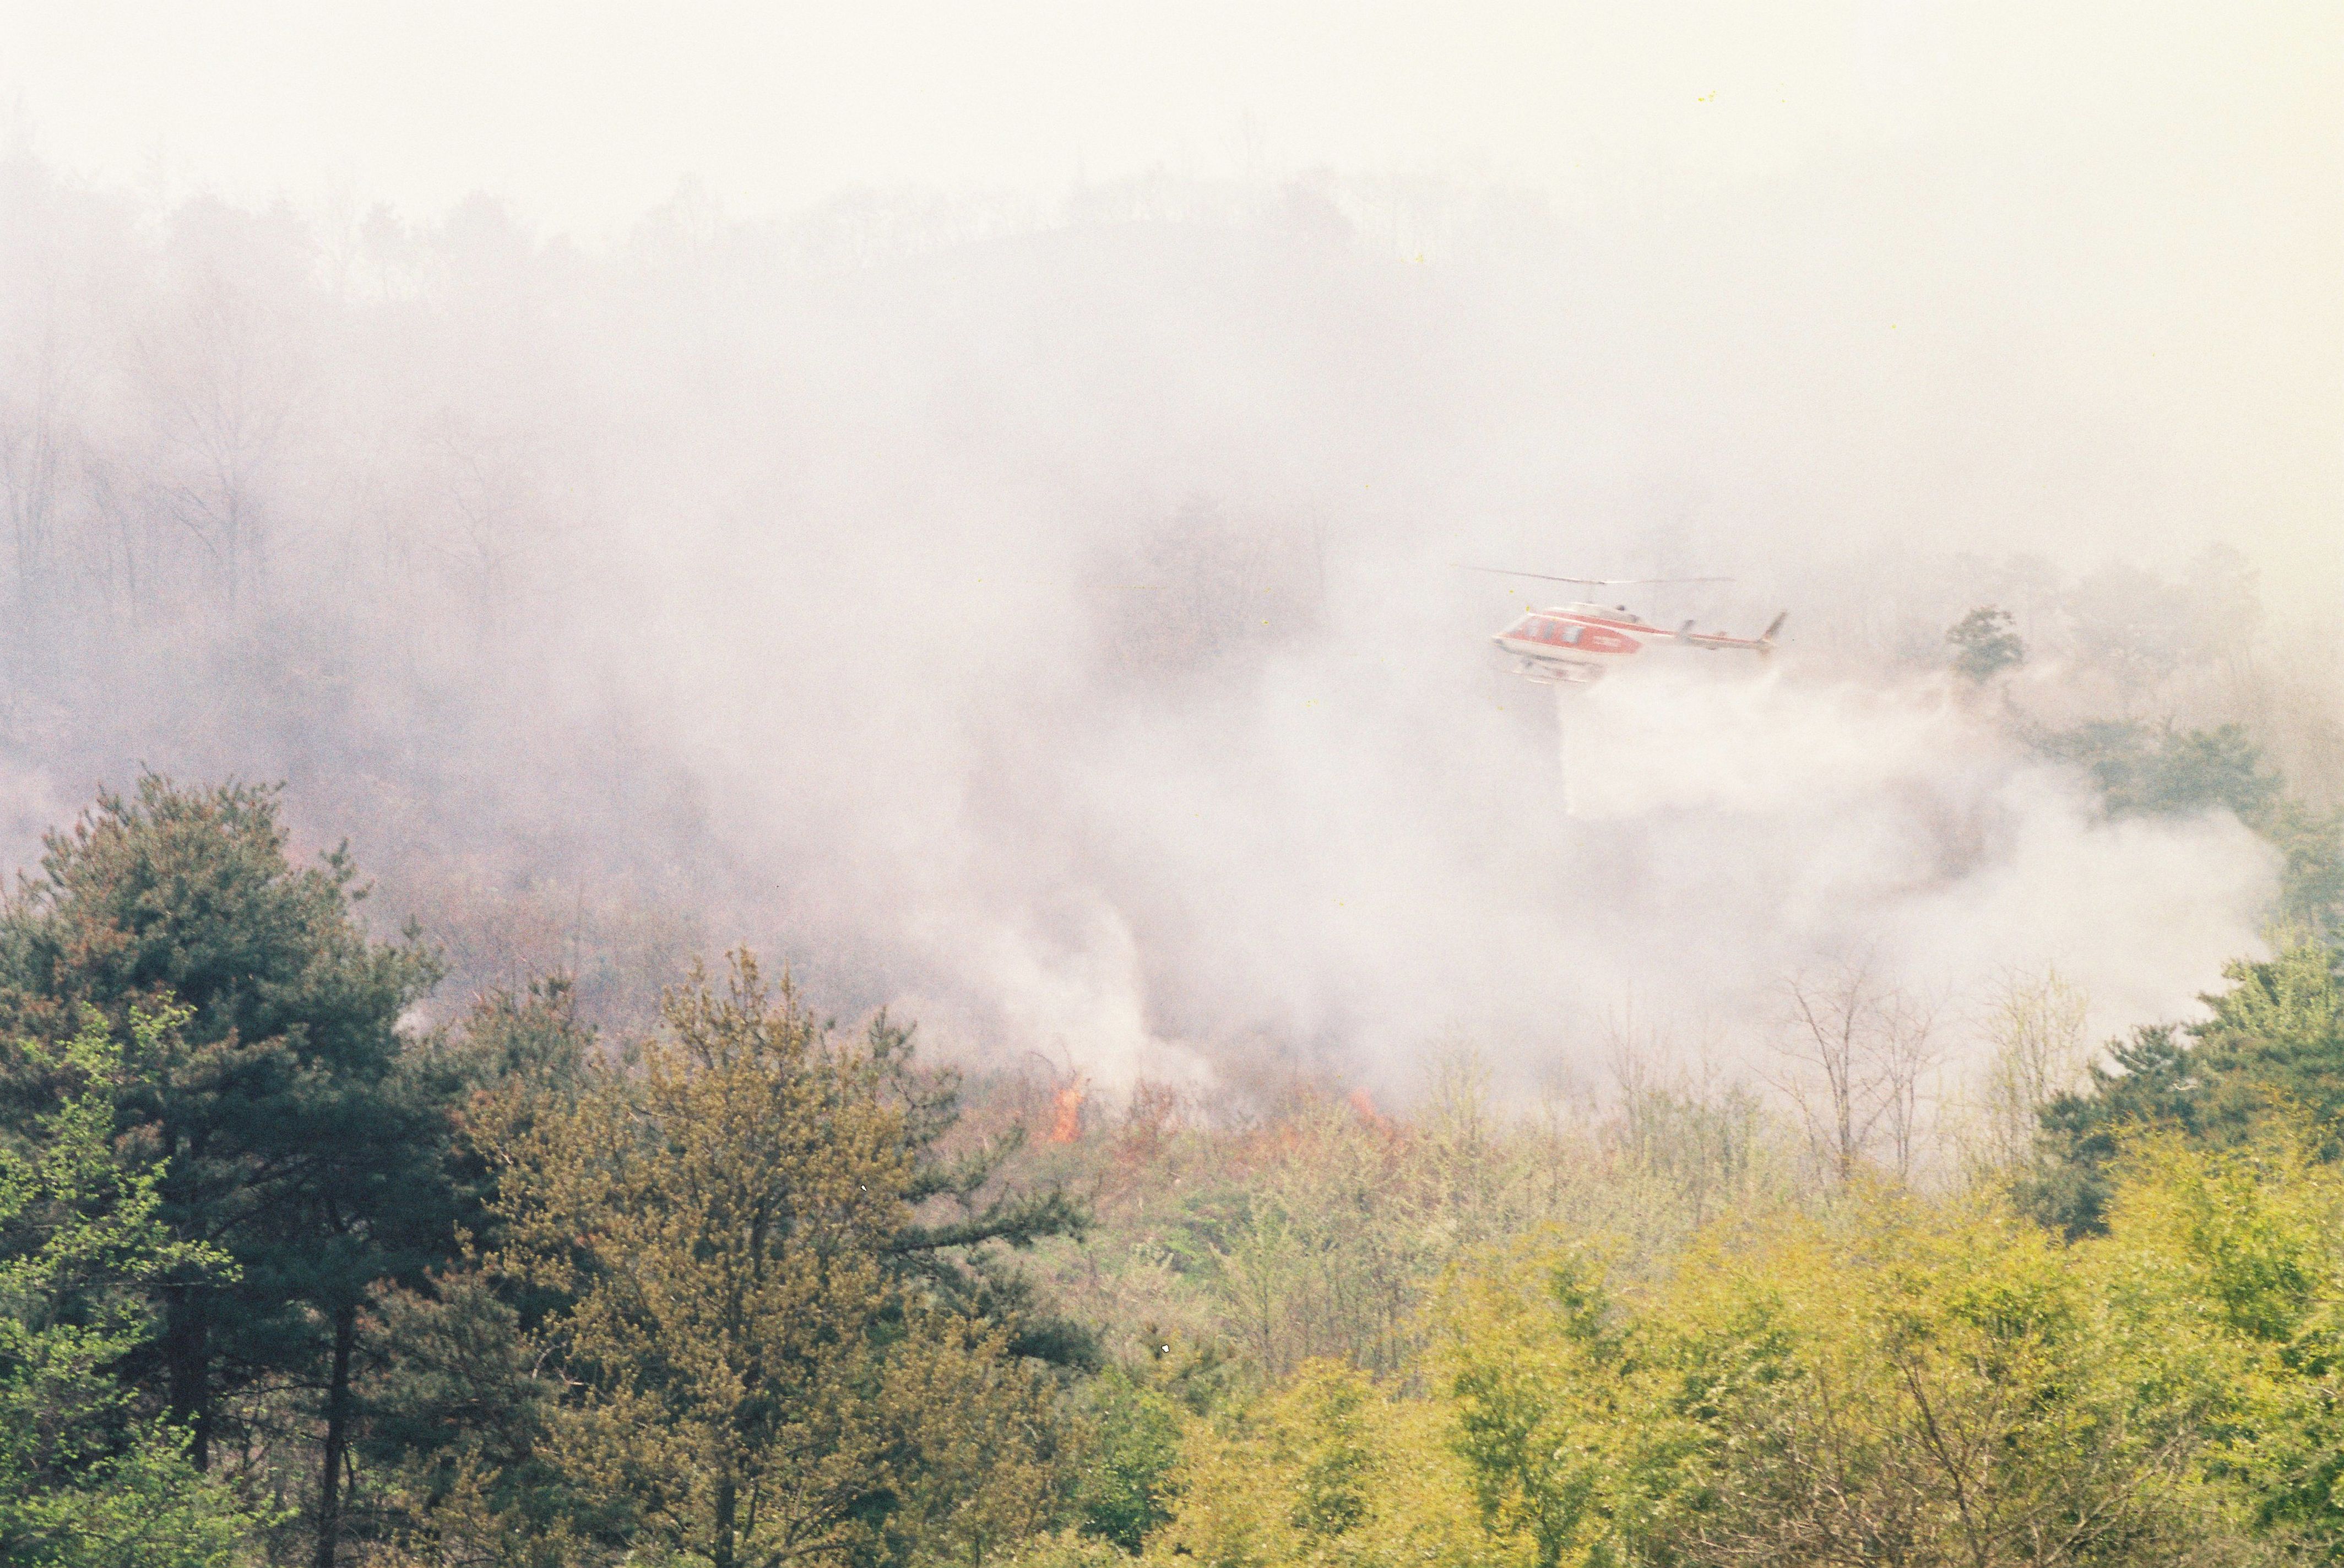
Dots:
(1055, 632)
(1805, 822)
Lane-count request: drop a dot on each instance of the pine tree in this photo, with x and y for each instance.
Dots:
(2272, 1051)
(295, 1129)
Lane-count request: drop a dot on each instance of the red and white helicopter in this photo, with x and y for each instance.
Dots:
(1573, 644)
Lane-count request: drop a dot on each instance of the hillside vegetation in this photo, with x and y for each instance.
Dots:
(284, 1278)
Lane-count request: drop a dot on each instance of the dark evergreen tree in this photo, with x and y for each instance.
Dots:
(966, 1222)
(453, 1405)
(2273, 1048)
(296, 1131)
(2143, 771)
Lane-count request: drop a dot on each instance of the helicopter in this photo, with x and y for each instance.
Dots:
(1575, 644)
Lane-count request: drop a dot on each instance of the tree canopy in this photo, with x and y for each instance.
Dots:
(1984, 644)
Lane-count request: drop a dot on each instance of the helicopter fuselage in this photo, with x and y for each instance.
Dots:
(1574, 644)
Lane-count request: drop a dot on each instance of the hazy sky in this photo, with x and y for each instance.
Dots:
(589, 114)
(586, 113)
(2166, 181)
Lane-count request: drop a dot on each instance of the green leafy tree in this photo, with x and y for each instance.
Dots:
(1124, 1488)
(1534, 1363)
(1984, 644)
(458, 1427)
(1930, 1385)
(749, 1363)
(85, 1480)
(2191, 770)
(2279, 1030)
(2148, 1082)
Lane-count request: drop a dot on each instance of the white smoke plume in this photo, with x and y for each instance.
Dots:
(1040, 616)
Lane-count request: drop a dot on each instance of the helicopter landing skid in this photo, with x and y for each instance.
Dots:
(1554, 673)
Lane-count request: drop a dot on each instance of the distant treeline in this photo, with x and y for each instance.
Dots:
(282, 1279)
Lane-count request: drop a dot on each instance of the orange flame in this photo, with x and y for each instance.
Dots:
(1067, 1121)
(1364, 1104)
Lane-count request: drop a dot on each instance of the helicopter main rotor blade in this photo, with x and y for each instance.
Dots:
(1592, 581)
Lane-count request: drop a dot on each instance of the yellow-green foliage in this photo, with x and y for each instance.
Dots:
(1321, 1233)
(1897, 1380)
(1325, 1470)
(1918, 1384)
(2242, 1252)
(1542, 1391)
(742, 1371)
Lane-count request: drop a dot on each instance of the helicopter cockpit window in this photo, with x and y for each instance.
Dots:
(1546, 629)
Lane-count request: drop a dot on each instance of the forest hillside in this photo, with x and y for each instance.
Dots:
(855, 885)
(290, 1276)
